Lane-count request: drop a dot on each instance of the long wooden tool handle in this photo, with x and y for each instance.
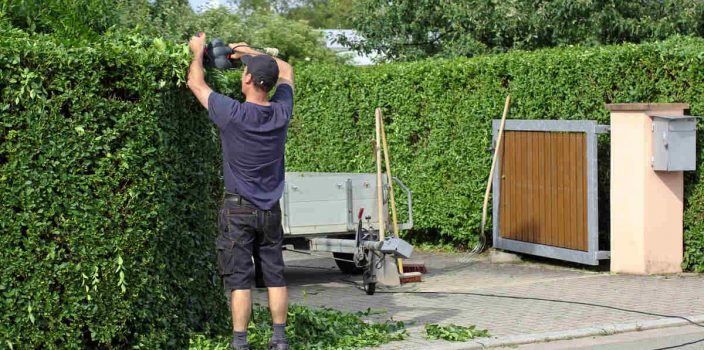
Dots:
(493, 161)
(379, 191)
(389, 177)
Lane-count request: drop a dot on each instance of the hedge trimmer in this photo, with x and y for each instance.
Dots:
(219, 55)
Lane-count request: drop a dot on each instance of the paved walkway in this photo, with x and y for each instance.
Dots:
(504, 298)
(680, 338)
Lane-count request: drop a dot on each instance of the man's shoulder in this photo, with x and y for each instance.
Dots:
(222, 109)
(223, 100)
(283, 96)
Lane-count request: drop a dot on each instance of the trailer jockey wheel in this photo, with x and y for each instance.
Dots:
(366, 258)
(369, 275)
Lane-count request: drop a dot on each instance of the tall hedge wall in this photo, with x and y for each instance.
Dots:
(108, 179)
(109, 170)
(438, 114)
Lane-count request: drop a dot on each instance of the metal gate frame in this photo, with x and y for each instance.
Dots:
(591, 128)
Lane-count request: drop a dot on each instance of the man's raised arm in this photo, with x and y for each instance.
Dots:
(196, 77)
(285, 69)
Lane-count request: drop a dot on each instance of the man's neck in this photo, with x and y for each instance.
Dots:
(257, 98)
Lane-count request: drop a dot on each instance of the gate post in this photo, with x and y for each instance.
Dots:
(646, 205)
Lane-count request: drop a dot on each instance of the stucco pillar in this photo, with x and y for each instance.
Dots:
(646, 205)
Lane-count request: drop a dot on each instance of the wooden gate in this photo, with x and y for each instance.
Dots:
(545, 189)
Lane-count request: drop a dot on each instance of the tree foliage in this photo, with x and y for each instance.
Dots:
(76, 22)
(247, 7)
(410, 29)
(295, 40)
(325, 14)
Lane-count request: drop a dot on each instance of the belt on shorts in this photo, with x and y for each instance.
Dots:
(236, 198)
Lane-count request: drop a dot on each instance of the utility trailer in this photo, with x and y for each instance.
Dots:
(338, 213)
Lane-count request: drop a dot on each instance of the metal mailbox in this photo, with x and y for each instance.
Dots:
(674, 143)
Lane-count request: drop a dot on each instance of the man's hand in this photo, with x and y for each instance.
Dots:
(197, 44)
(241, 49)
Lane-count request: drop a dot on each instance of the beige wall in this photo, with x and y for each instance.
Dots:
(646, 206)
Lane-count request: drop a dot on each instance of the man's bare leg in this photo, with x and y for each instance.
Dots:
(278, 304)
(241, 309)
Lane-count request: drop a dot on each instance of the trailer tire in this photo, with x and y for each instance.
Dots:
(347, 267)
(370, 288)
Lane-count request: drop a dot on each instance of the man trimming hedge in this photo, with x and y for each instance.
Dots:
(253, 136)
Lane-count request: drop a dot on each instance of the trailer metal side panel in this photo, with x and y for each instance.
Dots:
(327, 203)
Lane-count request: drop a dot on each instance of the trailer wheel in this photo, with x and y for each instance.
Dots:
(370, 288)
(347, 267)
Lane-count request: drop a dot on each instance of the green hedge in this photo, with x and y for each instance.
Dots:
(108, 182)
(109, 170)
(438, 114)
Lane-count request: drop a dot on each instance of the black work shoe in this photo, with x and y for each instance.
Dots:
(278, 345)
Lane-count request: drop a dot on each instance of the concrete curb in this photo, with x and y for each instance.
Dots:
(602, 330)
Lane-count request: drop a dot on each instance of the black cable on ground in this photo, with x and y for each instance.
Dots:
(312, 267)
(681, 345)
(548, 300)
(557, 301)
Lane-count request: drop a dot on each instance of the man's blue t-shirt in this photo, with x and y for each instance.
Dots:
(253, 144)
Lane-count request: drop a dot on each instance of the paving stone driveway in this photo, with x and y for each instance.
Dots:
(495, 302)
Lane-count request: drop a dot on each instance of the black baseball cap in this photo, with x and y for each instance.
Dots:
(263, 69)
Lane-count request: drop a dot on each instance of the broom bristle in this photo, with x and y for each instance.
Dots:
(410, 277)
(410, 266)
